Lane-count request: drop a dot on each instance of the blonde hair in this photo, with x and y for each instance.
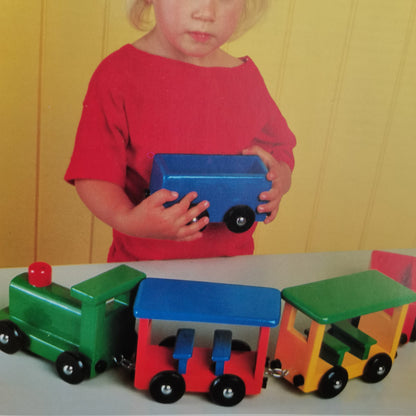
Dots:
(140, 16)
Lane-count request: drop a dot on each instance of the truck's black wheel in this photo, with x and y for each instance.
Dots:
(239, 219)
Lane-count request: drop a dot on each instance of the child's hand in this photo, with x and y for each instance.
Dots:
(149, 219)
(178, 222)
(280, 175)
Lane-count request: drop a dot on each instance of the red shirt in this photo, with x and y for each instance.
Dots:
(139, 104)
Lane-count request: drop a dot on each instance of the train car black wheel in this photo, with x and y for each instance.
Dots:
(333, 382)
(239, 219)
(240, 345)
(377, 368)
(167, 387)
(227, 390)
(72, 367)
(168, 341)
(12, 339)
(413, 333)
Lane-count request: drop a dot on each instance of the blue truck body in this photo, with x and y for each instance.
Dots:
(231, 183)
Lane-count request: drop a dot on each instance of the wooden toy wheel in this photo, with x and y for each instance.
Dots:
(239, 345)
(167, 387)
(12, 339)
(239, 219)
(377, 368)
(403, 339)
(72, 367)
(413, 334)
(227, 390)
(168, 341)
(333, 382)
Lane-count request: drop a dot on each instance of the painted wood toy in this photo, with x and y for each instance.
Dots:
(331, 330)
(231, 183)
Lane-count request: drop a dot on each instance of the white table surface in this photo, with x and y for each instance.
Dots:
(29, 385)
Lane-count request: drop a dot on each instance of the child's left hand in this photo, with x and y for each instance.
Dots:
(280, 175)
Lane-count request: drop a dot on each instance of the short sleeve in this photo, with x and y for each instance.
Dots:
(102, 135)
(276, 136)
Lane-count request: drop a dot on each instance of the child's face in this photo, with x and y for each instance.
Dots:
(195, 28)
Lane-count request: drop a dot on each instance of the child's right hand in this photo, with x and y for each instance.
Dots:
(149, 219)
(178, 222)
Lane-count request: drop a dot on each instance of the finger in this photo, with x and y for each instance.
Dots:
(271, 216)
(162, 196)
(196, 211)
(253, 150)
(268, 208)
(186, 201)
(266, 157)
(274, 193)
(272, 201)
(189, 231)
(272, 173)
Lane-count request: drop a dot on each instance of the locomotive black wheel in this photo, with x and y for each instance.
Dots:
(377, 368)
(167, 387)
(239, 219)
(72, 367)
(12, 339)
(227, 390)
(333, 382)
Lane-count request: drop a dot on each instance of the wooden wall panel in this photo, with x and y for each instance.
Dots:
(391, 213)
(72, 49)
(20, 28)
(307, 96)
(357, 136)
(266, 44)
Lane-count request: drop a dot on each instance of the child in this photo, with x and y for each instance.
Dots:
(175, 91)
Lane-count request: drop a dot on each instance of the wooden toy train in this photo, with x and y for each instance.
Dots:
(331, 330)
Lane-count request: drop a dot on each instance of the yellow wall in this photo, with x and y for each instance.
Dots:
(342, 71)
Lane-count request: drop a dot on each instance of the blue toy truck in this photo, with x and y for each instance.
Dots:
(231, 183)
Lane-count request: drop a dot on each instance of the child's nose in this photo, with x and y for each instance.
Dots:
(204, 10)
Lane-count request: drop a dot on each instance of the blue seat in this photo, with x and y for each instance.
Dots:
(221, 350)
(184, 346)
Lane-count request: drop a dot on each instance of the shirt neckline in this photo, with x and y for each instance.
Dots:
(245, 60)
